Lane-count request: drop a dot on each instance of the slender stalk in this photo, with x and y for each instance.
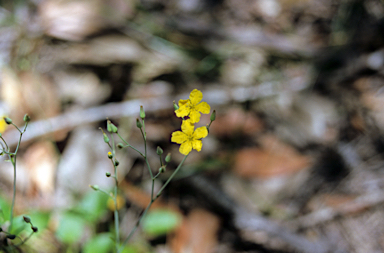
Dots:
(130, 146)
(170, 178)
(13, 195)
(12, 157)
(116, 212)
(151, 202)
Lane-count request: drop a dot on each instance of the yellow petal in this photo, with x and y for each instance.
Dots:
(3, 125)
(178, 137)
(183, 102)
(182, 111)
(196, 96)
(194, 116)
(203, 107)
(200, 132)
(187, 127)
(197, 144)
(185, 148)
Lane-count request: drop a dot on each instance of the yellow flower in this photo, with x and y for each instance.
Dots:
(120, 203)
(192, 107)
(3, 125)
(188, 137)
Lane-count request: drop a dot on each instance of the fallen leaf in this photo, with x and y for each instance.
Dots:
(273, 158)
(197, 234)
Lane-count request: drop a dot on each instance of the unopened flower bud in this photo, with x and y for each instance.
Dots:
(111, 127)
(95, 187)
(117, 163)
(159, 151)
(106, 139)
(27, 219)
(110, 155)
(138, 123)
(168, 158)
(213, 115)
(120, 145)
(26, 118)
(34, 229)
(7, 120)
(142, 112)
(11, 237)
(162, 169)
(108, 174)
(175, 106)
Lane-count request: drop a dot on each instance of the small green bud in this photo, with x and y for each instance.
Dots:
(27, 219)
(159, 151)
(162, 169)
(34, 229)
(138, 123)
(175, 106)
(110, 156)
(1, 134)
(117, 163)
(26, 118)
(142, 112)
(168, 158)
(7, 120)
(120, 145)
(106, 139)
(95, 187)
(111, 127)
(213, 115)
(108, 174)
(11, 237)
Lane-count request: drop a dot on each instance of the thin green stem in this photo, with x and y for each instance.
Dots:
(170, 178)
(128, 145)
(12, 157)
(115, 213)
(151, 202)
(14, 193)
(136, 226)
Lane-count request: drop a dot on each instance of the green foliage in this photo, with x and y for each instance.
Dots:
(5, 211)
(92, 206)
(40, 219)
(71, 228)
(160, 222)
(18, 225)
(102, 243)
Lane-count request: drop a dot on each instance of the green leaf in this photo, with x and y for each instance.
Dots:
(39, 219)
(5, 210)
(102, 243)
(18, 225)
(71, 228)
(160, 222)
(93, 206)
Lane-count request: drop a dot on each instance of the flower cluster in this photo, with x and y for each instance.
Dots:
(190, 110)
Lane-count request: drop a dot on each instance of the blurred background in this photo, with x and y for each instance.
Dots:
(293, 163)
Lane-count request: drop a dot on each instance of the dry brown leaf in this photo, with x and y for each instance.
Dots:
(75, 20)
(197, 233)
(274, 158)
(236, 120)
(141, 198)
(41, 162)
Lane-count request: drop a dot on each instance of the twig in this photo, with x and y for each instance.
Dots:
(215, 97)
(244, 220)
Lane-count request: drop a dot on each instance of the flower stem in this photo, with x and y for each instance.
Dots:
(151, 202)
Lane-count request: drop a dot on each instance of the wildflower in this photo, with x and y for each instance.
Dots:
(188, 137)
(3, 125)
(120, 203)
(192, 107)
